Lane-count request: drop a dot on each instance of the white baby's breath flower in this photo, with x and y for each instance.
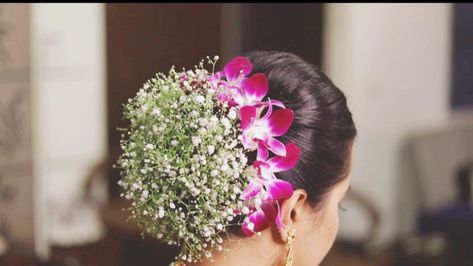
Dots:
(196, 140)
(156, 111)
(203, 122)
(225, 122)
(214, 172)
(213, 119)
(200, 99)
(149, 146)
(159, 170)
(210, 149)
(161, 212)
(232, 114)
(224, 167)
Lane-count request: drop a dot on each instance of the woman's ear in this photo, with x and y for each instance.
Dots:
(292, 211)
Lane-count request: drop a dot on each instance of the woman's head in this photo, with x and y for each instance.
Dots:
(324, 131)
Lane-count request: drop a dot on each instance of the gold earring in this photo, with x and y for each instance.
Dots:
(290, 238)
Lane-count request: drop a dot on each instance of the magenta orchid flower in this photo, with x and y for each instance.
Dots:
(239, 89)
(260, 132)
(266, 191)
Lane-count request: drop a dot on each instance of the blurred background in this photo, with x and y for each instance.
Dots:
(66, 70)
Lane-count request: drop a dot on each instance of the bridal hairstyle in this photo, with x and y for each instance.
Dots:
(322, 128)
(183, 131)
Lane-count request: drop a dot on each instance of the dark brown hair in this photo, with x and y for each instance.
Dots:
(322, 128)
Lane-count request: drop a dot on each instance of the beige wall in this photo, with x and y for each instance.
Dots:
(69, 122)
(16, 181)
(393, 63)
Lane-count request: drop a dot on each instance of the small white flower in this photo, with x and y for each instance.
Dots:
(172, 205)
(194, 113)
(200, 99)
(203, 122)
(174, 142)
(211, 149)
(145, 194)
(161, 212)
(224, 167)
(156, 111)
(214, 119)
(245, 210)
(214, 172)
(225, 122)
(233, 144)
(232, 114)
(149, 146)
(196, 140)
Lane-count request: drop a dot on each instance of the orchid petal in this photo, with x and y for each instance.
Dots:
(279, 189)
(251, 190)
(273, 102)
(276, 146)
(259, 220)
(278, 219)
(262, 154)
(269, 112)
(280, 121)
(282, 163)
(236, 67)
(247, 116)
(272, 211)
(255, 87)
(269, 210)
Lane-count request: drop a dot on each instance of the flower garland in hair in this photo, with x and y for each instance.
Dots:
(184, 165)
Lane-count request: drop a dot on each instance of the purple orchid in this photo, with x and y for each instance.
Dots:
(260, 132)
(239, 89)
(265, 190)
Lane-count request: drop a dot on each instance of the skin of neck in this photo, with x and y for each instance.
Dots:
(266, 249)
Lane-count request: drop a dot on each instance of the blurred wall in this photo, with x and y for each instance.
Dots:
(393, 63)
(16, 179)
(69, 111)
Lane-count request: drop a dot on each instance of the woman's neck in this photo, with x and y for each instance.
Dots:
(257, 250)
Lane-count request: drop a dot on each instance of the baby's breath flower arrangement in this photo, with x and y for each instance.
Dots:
(184, 164)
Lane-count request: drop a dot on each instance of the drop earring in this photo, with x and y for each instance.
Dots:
(290, 238)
